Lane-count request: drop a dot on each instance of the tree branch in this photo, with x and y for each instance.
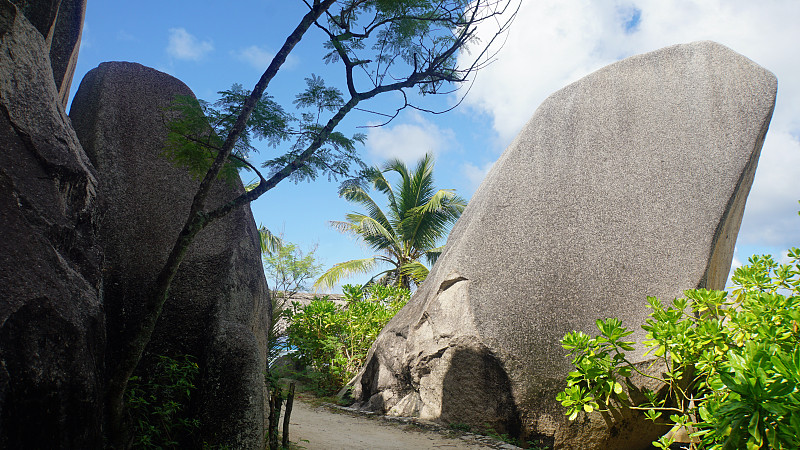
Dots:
(290, 168)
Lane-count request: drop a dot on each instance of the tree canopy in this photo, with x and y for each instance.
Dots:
(289, 268)
(384, 46)
(417, 218)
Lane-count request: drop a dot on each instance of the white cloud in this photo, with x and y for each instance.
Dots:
(771, 213)
(555, 42)
(183, 45)
(474, 174)
(255, 56)
(123, 35)
(407, 141)
(550, 44)
(86, 38)
(260, 58)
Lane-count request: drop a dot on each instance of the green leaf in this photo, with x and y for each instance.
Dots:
(753, 428)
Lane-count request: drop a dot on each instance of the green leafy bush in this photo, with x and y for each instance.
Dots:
(159, 405)
(333, 341)
(732, 361)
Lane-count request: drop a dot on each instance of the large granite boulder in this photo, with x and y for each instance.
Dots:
(627, 183)
(219, 309)
(60, 22)
(52, 329)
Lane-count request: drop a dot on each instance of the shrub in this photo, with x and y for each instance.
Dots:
(159, 404)
(333, 341)
(732, 361)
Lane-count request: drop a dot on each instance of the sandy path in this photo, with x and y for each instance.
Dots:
(323, 428)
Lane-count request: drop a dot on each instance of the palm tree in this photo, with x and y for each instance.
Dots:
(418, 218)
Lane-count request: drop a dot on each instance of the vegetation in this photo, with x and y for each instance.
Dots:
(288, 269)
(418, 217)
(382, 46)
(159, 405)
(277, 395)
(532, 445)
(732, 362)
(269, 242)
(333, 341)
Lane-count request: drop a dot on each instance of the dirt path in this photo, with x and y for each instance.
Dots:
(326, 428)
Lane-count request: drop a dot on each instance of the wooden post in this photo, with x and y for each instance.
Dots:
(271, 400)
(275, 402)
(287, 414)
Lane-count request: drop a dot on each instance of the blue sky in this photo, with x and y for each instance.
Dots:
(211, 45)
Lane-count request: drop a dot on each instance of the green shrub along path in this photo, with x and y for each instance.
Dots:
(331, 341)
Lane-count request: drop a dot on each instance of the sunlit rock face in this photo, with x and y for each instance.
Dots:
(60, 22)
(630, 182)
(52, 329)
(218, 308)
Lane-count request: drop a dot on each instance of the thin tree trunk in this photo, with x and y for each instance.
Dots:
(287, 414)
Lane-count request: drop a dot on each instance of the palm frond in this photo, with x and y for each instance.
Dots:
(344, 227)
(418, 217)
(365, 229)
(416, 190)
(352, 192)
(433, 255)
(269, 242)
(371, 230)
(427, 230)
(343, 270)
(444, 200)
(422, 181)
(382, 185)
(396, 165)
(415, 270)
(357, 194)
(428, 223)
(386, 278)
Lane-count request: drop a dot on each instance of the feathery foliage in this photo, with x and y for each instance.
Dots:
(196, 128)
(289, 268)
